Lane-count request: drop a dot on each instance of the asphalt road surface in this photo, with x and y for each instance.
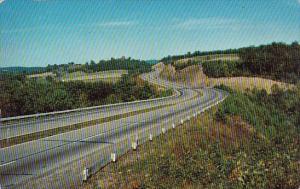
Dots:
(58, 161)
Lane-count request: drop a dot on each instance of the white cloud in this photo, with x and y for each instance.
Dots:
(116, 23)
(108, 25)
(1, 1)
(206, 23)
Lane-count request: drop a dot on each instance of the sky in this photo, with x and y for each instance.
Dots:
(42, 32)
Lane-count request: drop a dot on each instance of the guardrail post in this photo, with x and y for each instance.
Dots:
(113, 157)
(85, 174)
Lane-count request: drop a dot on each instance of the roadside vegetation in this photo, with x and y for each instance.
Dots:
(251, 140)
(22, 96)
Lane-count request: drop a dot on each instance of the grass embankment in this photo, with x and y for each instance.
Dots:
(251, 140)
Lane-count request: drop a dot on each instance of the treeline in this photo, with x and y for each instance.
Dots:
(223, 69)
(277, 61)
(22, 70)
(20, 96)
(132, 65)
(171, 59)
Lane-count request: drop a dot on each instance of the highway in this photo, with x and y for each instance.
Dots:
(58, 161)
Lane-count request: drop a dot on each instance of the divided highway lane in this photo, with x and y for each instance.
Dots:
(15, 128)
(77, 144)
(19, 151)
(61, 158)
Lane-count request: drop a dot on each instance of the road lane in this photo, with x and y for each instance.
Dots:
(73, 150)
(24, 126)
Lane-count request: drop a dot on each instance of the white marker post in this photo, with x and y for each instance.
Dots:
(85, 174)
(163, 130)
(173, 125)
(194, 115)
(113, 157)
(150, 137)
(134, 145)
(188, 117)
(181, 121)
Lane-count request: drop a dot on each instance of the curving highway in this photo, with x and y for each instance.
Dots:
(58, 161)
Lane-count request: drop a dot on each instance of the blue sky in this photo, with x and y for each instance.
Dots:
(41, 32)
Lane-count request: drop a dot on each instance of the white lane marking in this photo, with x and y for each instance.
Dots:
(8, 163)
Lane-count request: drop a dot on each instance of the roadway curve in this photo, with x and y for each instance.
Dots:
(57, 161)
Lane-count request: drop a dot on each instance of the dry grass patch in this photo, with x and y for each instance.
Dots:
(108, 76)
(244, 83)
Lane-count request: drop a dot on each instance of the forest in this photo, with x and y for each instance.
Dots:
(21, 96)
(132, 65)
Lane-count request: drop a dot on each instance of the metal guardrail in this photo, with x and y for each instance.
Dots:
(177, 94)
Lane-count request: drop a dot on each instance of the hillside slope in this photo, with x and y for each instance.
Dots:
(195, 77)
(192, 75)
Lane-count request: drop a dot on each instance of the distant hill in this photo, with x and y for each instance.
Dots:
(152, 61)
(276, 61)
(132, 65)
(20, 69)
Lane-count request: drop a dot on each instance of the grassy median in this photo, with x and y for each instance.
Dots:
(59, 130)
